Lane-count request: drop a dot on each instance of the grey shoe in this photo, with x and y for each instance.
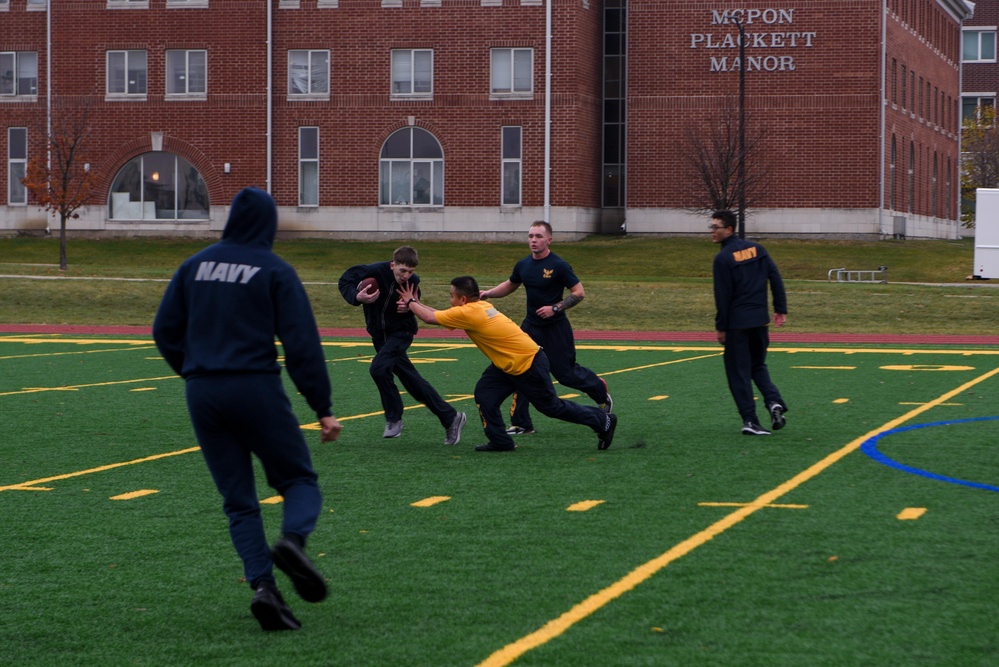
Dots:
(453, 433)
(392, 429)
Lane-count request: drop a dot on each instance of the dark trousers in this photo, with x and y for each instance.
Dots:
(391, 360)
(236, 417)
(559, 344)
(745, 365)
(536, 385)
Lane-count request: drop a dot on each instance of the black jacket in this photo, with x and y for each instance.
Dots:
(381, 317)
(742, 269)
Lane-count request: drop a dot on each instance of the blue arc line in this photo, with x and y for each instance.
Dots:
(870, 447)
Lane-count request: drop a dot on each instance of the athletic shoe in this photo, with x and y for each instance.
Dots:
(392, 429)
(453, 435)
(607, 437)
(490, 447)
(777, 418)
(309, 582)
(752, 428)
(608, 405)
(519, 430)
(270, 609)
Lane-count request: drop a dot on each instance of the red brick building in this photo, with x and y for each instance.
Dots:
(472, 118)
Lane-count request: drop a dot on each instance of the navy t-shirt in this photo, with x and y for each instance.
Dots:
(546, 280)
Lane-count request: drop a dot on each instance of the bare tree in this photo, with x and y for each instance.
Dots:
(710, 156)
(979, 159)
(60, 180)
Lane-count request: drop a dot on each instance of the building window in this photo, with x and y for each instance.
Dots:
(158, 186)
(904, 78)
(412, 72)
(19, 73)
(126, 73)
(912, 175)
(894, 81)
(17, 165)
(891, 175)
(186, 3)
(36, 5)
(411, 169)
(978, 46)
(186, 73)
(309, 73)
(511, 71)
(933, 190)
(511, 166)
(308, 166)
(128, 4)
(972, 105)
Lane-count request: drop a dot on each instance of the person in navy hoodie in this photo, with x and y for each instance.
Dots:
(216, 327)
(742, 272)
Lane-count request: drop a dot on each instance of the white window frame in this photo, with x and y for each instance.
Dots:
(173, 4)
(509, 161)
(4, 5)
(400, 174)
(16, 166)
(981, 99)
(187, 74)
(308, 160)
(979, 31)
(37, 5)
(404, 70)
(317, 60)
(503, 64)
(129, 55)
(128, 4)
(17, 60)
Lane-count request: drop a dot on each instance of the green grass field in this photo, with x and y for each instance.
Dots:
(698, 546)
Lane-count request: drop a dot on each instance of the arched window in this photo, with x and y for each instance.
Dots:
(411, 169)
(158, 186)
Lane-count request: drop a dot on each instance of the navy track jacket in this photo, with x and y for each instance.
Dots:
(226, 304)
(742, 270)
(381, 317)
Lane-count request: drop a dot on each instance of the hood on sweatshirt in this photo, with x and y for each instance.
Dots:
(252, 219)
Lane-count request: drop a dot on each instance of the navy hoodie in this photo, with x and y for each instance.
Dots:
(226, 304)
(742, 270)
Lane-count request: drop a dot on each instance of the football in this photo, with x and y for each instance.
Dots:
(373, 282)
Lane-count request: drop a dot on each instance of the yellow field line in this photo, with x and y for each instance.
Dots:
(24, 486)
(556, 627)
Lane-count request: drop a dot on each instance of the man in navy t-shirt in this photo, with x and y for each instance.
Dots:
(546, 276)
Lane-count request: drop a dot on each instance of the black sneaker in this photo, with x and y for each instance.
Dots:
(777, 418)
(271, 611)
(490, 447)
(607, 437)
(752, 428)
(291, 559)
(608, 405)
(519, 430)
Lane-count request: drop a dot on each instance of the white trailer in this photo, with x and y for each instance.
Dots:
(986, 233)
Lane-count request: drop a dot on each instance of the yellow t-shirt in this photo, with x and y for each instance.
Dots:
(507, 346)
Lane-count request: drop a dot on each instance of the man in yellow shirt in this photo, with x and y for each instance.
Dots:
(518, 364)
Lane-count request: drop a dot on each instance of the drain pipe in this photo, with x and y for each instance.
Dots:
(48, 103)
(270, 84)
(548, 110)
(883, 103)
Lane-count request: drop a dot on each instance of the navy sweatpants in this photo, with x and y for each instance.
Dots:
(239, 416)
(559, 344)
(391, 359)
(536, 385)
(745, 365)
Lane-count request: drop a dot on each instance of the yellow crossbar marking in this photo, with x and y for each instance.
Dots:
(273, 500)
(110, 466)
(826, 368)
(658, 398)
(583, 505)
(32, 488)
(134, 494)
(911, 513)
(786, 507)
(842, 400)
(557, 626)
(143, 389)
(35, 390)
(431, 501)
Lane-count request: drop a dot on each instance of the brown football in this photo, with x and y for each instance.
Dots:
(373, 282)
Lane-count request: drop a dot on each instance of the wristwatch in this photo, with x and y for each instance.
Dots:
(556, 308)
